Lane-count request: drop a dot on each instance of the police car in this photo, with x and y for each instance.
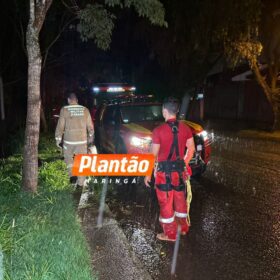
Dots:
(124, 123)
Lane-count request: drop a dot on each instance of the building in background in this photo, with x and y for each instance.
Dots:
(235, 95)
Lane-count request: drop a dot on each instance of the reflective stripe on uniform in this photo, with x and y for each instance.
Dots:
(75, 142)
(189, 200)
(181, 215)
(73, 106)
(166, 221)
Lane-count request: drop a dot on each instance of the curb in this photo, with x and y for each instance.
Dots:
(112, 255)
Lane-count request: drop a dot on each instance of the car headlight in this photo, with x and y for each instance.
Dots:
(141, 142)
(206, 136)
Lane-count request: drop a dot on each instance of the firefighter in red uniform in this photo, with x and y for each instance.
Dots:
(171, 172)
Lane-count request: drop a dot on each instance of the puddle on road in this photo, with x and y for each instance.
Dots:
(138, 217)
(137, 214)
(146, 247)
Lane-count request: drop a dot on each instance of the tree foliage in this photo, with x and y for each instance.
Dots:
(96, 21)
(186, 48)
(260, 44)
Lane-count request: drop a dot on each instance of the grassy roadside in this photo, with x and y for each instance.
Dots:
(40, 235)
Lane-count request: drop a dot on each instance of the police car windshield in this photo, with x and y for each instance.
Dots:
(141, 113)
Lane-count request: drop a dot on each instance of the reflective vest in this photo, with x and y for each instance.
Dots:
(75, 126)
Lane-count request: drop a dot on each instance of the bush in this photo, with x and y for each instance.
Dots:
(10, 175)
(40, 235)
(53, 176)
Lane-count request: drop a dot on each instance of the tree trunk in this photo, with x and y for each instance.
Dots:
(270, 95)
(32, 130)
(30, 159)
(276, 113)
(261, 81)
(38, 10)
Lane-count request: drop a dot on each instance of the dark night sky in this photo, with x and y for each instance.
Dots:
(156, 60)
(70, 60)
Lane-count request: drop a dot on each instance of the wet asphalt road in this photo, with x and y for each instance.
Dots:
(235, 215)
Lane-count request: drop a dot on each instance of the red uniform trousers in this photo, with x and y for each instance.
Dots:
(173, 205)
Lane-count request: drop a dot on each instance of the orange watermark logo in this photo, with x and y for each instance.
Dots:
(113, 165)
